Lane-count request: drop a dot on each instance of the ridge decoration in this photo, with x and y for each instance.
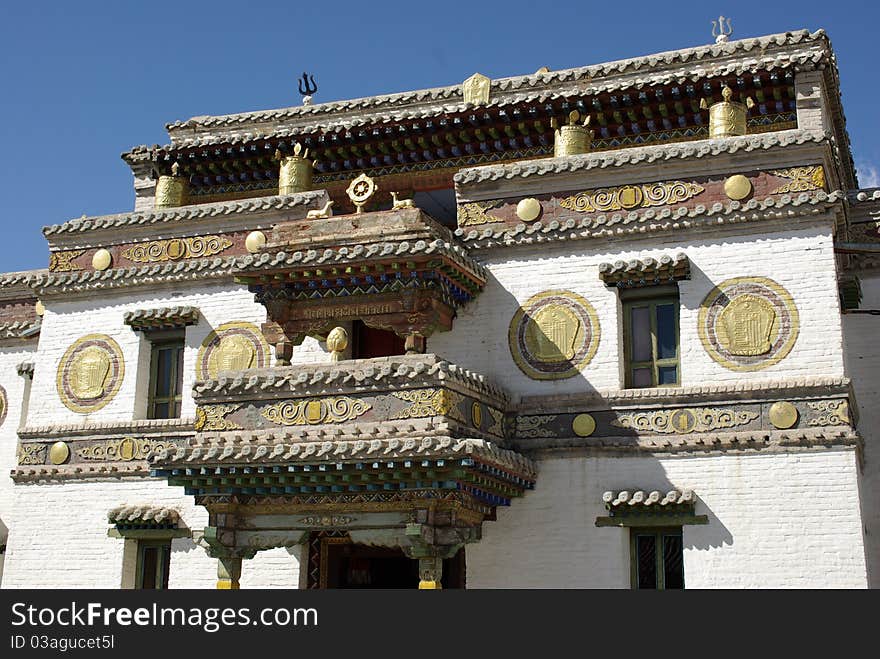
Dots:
(628, 197)
(685, 420)
(175, 249)
(315, 411)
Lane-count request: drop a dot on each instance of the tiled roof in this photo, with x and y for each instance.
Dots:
(187, 213)
(623, 499)
(143, 514)
(164, 318)
(638, 71)
(646, 271)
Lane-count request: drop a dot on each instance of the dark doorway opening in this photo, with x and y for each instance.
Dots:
(368, 342)
(344, 564)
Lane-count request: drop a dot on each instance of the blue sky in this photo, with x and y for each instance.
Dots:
(84, 81)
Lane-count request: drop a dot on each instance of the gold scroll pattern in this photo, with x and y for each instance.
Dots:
(123, 450)
(31, 454)
(474, 214)
(801, 179)
(533, 426)
(312, 412)
(629, 197)
(174, 249)
(63, 261)
(213, 417)
(830, 413)
(685, 420)
(429, 402)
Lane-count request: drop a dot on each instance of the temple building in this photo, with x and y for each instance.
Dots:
(603, 327)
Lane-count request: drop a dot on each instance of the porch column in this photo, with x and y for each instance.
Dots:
(228, 572)
(430, 573)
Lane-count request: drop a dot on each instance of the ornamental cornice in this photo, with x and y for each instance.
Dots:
(763, 441)
(147, 275)
(26, 329)
(224, 452)
(187, 213)
(800, 49)
(787, 207)
(640, 155)
(750, 390)
(341, 255)
(128, 514)
(103, 428)
(409, 371)
(644, 272)
(103, 471)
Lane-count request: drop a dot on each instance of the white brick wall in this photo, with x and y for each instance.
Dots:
(863, 366)
(10, 357)
(73, 516)
(802, 261)
(775, 521)
(64, 322)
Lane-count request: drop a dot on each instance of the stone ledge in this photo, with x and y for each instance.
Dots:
(103, 428)
(705, 443)
(753, 391)
(351, 375)
(188, 213)
(785, 207)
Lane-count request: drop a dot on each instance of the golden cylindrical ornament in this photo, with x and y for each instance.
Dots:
(571, 140)
(295, 175)
(171, 191)
(727, 119)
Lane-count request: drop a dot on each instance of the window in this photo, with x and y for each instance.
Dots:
(153, 563)
(650, 336)
(166, 377)
(657, 558)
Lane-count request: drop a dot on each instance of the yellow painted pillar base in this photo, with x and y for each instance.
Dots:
(430, 585)
(228, 573)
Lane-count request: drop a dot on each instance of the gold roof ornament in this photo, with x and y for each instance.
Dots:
(572, 139)
(360, 191)
(295, 173)
(728, 118)
(476, 89)
(172, 190)
(337, 342)
(722, 29)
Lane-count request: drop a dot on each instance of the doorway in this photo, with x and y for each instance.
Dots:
(337, 562)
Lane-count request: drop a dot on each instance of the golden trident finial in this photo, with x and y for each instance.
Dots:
(722, 29)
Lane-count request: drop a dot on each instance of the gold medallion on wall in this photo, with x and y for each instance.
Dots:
(748, 323)
(90, 373)
(232, 347)
(554, 335)
(4, 405)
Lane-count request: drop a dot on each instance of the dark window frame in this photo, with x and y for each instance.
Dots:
(650, 297)
(659, 534)
(160, 342)
(162, 564)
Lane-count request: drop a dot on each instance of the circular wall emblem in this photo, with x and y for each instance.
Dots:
(232, 347)
(748, 323)
(554, 335)
(4, 405)
(90, 373)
